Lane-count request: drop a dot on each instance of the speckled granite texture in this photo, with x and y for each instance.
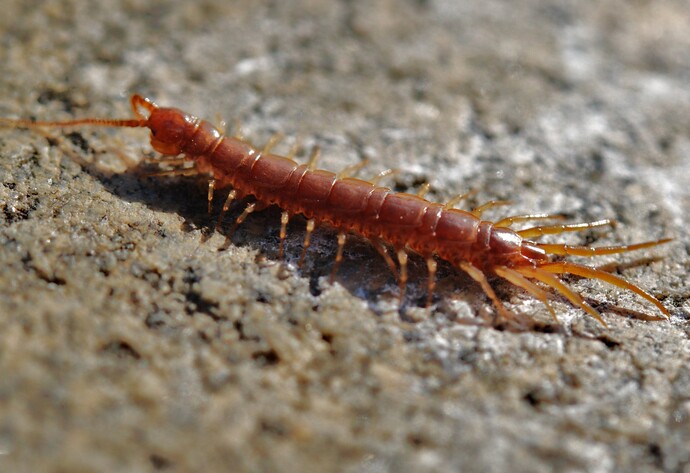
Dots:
(130, 344)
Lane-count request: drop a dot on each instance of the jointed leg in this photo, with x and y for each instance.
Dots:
(311, 223)
(272, 141)
(570, 250)
(313, 157)
(431, 266)
(555, 283)
(338, 255)
(211, 188)
(459, 198)
(423, 190)
(387, 172)
(477, 212)
(508, 221)
(383, 251)
(284, 219)
(402, 280)
(592, 273)
(519, 280)
(476, 274)
(556, 229)
(350, 170)
(226, 205)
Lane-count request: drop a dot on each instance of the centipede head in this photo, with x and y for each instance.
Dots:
(170, 129)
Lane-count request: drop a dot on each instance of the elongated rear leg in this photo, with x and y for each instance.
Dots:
(564, 267)
(556, 284)
(509, 221)
(572, 250)
(536, 232)
(519, 280)
(477, 274)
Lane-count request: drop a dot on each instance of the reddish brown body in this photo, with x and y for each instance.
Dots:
(404, 222)
(353, 205)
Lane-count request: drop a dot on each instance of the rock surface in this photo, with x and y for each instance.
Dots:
(127, 343)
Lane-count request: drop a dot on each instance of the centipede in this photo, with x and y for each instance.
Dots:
(396, 224)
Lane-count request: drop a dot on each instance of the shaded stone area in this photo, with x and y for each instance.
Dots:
(131, 341)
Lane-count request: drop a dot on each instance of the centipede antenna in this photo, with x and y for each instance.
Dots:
(119, 123)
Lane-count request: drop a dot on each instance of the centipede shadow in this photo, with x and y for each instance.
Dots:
(362, 272)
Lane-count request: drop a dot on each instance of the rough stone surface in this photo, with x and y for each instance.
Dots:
(127, 343)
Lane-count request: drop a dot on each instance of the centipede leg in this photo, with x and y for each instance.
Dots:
(175, 172)
(387, 172)
(564, 267)
(571, 250)
(314, 157)
(509, 221)
(383, 251)
(350, 170)
(311, 223)
(402, 280)
(476, 274)
(423, 190)
(248, 210)
(431, 266)
(272, 142)
(459, 198)
(284, 219)
(226, 205)
(556, 284)
(536, 232)
(294, 150)
(338, 255)
(211, 189)
(519, 280)
(478, 211)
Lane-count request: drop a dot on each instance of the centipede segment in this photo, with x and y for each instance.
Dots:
(397, 222)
